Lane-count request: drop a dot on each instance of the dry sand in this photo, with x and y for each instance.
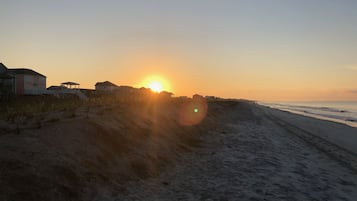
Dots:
(241, 151)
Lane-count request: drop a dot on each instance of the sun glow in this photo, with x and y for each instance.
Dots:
(156, 83)
(156, 86)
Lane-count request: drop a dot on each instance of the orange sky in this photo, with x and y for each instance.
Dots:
(272, 51)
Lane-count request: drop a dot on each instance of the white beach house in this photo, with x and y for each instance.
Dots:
(23, 81)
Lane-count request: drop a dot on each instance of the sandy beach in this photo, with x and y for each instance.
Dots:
(261, 154)
(169, 100)
(240, 151)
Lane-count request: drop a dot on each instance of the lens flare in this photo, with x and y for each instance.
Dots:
(193, 112)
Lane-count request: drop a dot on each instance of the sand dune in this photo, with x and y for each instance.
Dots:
(76, 157)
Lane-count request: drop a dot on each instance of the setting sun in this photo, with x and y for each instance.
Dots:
(156, 83)
(156, 86)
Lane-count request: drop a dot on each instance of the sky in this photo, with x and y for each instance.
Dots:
(267, 50)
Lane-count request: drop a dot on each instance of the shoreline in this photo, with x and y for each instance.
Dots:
(334, 132)
(344, 112)
(315, 116)
(308, 114)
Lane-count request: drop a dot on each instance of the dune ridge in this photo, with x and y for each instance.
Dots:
(77, 156)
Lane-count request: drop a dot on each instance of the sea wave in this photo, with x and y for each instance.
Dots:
(339, 113)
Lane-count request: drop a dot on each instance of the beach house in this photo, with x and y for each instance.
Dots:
(3, 68)
(7, 82)
(105, 86)
(165, 95)
(21, 81)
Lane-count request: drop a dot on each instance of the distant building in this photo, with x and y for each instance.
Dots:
(68, 88)
(197, 97)
(28, 81)
(57, 88)
(165, 95)
(7, 82)
(127, 88)
(211, 98)
(105, 86)
(3, 68)
(70, 85)
(22, 81)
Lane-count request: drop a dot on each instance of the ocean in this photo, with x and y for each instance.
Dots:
(339, 111)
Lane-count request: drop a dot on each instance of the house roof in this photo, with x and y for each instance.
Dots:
(3, 68)
(106, 84)
(24, 71)
(69, 83)
(126, 87)
(57, 88)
